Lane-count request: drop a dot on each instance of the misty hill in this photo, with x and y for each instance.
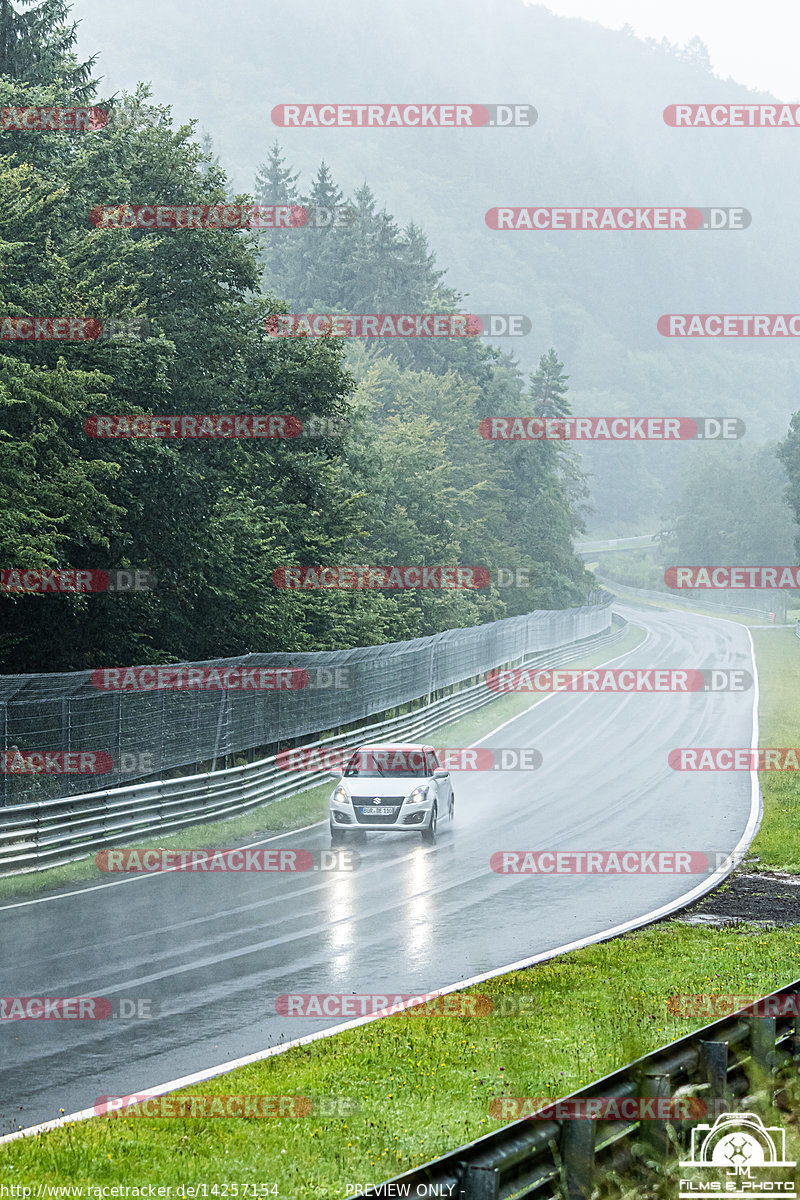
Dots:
(600, 139)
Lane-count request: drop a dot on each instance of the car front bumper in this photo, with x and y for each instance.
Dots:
(409, 818)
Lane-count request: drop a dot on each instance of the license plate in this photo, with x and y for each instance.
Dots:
(375, 812)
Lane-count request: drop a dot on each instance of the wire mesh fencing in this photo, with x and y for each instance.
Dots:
(64, 734)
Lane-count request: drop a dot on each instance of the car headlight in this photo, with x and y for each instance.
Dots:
(418, 796)
(340, 795)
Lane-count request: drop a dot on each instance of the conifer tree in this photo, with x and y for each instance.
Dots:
(37, 46)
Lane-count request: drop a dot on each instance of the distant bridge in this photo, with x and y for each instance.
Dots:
(590, 549)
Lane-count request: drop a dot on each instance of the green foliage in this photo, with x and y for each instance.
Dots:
(732, 509)
(788, 453)
(411, 483)
(37, 46)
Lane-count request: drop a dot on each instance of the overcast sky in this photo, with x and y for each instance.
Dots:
(754, 43)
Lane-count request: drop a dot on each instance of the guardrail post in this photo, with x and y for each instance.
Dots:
(577, 1155)
(762, 1042)
(714, 1064)
(795, 1042)
(479, 1183)
(655, 1084)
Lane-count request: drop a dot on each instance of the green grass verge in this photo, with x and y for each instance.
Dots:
(424, 1083)
(304, 808)
(777, 843)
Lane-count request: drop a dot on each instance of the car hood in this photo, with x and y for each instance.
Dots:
(380, 787)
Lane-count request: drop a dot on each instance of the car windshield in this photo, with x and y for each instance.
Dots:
(400, 764)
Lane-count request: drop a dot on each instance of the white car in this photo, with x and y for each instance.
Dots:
(391, 788)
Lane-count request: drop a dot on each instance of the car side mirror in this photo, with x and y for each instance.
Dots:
(440, 774)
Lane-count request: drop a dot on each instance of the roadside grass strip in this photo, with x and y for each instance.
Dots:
(422, 1084)
(777, 843)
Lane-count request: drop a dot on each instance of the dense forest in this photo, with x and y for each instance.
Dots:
(396, 471)
(391, 468)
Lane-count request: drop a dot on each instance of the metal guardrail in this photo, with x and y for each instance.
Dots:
(52, 833)
(702, 598)
(612, 545)
(546, 1158)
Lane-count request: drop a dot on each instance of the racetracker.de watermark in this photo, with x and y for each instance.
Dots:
(734, 758)
(402, 578)
(598, 1108)
(403, 761)
(719, 1005)
(73, 329)
(403, 116)
(77, 1008)
(46, 119)
(227, 1106)
(614, 429)
(152, 862)
(55, 762)
(729, 325)
(731, 116)
(223, 216)
(201, 216)
(202, 679)
(428, 325)
(74, 581)
(350, 1004)
(118, 329)
(731, 578)
(381, 578)
(228, 425)
(599, 862)
(619, 679)
(49, 329)
(625, 219)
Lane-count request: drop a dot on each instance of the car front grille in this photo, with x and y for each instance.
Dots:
(392, 804)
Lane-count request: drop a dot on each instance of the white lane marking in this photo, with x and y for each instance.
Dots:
(98, 887)
(753, 822)
(550, 695)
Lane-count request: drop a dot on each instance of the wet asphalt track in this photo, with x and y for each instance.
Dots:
(214, 951)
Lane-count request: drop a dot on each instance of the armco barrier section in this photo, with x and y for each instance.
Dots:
(180, 728)
(719, 1063)
(51, 833)
(763, 603)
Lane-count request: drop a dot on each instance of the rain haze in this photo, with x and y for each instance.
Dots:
(399, 595)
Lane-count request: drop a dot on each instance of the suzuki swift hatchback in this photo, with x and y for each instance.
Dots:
(391, 788)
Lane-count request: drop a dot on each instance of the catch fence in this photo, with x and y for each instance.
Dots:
(151, 732)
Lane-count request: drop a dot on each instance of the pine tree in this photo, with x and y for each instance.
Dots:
(37, 47)
(207, 143)
(323, 190)
(275, 183)
(549, 388)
